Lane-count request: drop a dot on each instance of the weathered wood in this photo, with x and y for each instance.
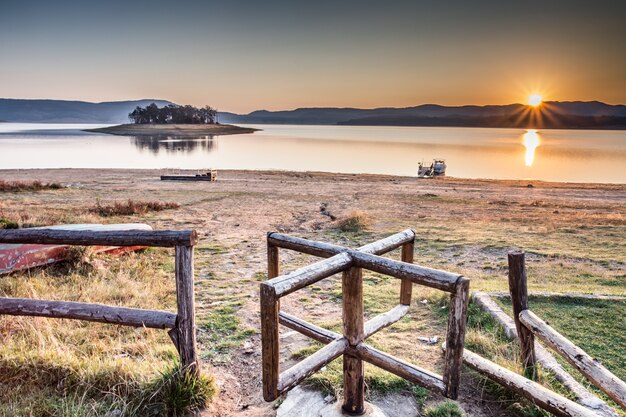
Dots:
(389, 243)
(543, 397)
(310, 247)
(314, 332)
(270, 342)
(386, 319)
(455, 338)
(326, 250)
(353, 331)
(164, 238)
(401, 368)
(578, 358)
(273, 260)
(435, 278)
(545, 358)
(406, 286)
(519, 299)
(294, 375)
(300, 278)
(90, 312)
(186, 320)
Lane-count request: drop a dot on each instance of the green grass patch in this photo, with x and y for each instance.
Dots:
(445, 409)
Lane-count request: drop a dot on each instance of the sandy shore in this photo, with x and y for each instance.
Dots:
(172, 130)
(574, 234)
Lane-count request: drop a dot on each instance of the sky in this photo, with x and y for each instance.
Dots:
(246, 55)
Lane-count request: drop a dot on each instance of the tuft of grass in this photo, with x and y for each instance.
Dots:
(131, 207)
(178, 392)
(8, 224)
(355, 221)
(444, 409)
(17, 186)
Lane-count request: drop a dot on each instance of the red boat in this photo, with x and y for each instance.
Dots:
(15, 257)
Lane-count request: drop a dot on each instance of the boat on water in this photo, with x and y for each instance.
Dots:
(16, 257)
(436, 169)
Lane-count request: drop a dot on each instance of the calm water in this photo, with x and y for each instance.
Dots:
(551, 155)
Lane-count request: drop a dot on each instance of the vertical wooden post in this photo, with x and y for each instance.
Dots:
(186, 319)
(353, 382)
(270, 342)
(406, 286)
(273, 267)
(455, 339)
(519, 298)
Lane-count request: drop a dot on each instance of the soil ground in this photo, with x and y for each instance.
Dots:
(574, 235)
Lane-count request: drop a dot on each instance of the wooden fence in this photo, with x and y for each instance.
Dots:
(181, 325)
(355, 330)
(528, 326)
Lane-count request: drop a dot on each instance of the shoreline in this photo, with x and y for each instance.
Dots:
(183, 130)
(335, 176)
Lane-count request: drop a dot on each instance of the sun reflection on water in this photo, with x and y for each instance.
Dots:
(531, 141)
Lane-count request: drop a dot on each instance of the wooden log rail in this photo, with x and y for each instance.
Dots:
(181, 324)
(578, 358)
(351, 344)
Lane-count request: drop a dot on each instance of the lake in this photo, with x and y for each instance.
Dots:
(594, 156)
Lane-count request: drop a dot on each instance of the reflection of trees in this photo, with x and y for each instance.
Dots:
(173, 144)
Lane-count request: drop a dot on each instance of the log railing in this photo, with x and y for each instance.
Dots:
(351, 344)
(181, 324)
(529, 325)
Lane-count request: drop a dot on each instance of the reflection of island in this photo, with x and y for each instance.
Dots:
(174, 144)
(531, 142)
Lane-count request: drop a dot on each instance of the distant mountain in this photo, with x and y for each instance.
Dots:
(554, 114)
(62, 111)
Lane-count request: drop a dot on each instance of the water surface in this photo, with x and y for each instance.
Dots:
(550, 155)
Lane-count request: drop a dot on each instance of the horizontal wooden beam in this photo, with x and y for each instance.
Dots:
(314, 332)
(310, 247)
(435, 278)
(326, 250)
(386, 319)
(538, 394)
(389, 243)
(398, 367)
(163, 238)
(578, 358)
(303, 369)
(90, 312)
(300, 278)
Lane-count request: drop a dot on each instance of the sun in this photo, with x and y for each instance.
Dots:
(535, 100)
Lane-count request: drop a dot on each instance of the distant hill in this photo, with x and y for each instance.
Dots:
(62, 111)
(574, 115)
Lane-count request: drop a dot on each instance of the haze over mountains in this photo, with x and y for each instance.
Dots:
(575, 114)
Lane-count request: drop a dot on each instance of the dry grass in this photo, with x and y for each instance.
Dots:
(69, 367)
(355, 221)
(16, 186)
(131, 207)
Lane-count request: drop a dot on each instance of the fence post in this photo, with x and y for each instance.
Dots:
(353, 330)
(406, 286)
(186, 320)
(457, 320)
(273, 268)
(518, 287)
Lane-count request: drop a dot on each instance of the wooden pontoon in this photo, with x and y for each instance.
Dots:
(202, 175)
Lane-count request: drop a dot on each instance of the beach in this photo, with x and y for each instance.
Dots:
(573, 234)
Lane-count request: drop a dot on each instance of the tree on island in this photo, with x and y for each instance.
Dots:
(173, 114)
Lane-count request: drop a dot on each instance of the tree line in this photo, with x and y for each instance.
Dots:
(173, 114)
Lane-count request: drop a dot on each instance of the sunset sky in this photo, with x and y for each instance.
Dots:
(246, 55)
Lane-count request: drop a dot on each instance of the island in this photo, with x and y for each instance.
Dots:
(173, 120)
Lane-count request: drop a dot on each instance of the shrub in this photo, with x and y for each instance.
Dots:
(356, 221)
(13, 186)
(8, 224)
(131, 207)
